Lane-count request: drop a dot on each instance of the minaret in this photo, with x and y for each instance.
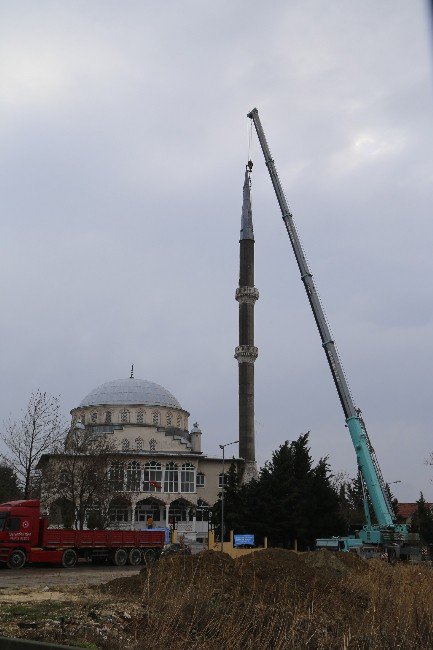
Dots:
(246, 353)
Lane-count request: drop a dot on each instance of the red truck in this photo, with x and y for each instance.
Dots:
(26, 538)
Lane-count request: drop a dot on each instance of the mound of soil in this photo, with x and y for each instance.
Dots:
(273, 571)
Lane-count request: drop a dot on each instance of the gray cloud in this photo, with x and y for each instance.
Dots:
(123, 138)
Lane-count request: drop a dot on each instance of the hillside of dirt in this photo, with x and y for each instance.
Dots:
(270, 599)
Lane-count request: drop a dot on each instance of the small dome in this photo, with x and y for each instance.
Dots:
(130, 391)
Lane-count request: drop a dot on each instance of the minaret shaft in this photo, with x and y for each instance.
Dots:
(246, 352)
(246, 412)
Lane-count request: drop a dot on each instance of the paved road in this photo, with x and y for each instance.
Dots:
(35, 576)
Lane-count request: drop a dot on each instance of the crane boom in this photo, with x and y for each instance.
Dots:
(366, 457)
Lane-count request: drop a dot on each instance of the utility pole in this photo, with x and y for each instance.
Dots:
(222, 493)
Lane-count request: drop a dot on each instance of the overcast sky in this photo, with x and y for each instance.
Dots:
(123, 139)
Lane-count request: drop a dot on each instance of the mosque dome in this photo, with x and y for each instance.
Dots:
(130, 391)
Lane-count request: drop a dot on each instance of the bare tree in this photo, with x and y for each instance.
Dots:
(78, 479)
(40, 428)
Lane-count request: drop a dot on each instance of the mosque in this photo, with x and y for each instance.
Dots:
(155, 463)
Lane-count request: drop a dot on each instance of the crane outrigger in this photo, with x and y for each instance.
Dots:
(386, 533)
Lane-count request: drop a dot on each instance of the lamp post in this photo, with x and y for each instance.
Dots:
(222, 494)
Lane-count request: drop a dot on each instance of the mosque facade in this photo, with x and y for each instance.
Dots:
(156, 465)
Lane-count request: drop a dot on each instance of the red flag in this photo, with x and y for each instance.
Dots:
(155, 484)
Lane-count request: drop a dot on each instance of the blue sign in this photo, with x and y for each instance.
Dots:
(244, 540)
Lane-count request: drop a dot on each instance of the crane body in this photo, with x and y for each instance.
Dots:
(386, 529)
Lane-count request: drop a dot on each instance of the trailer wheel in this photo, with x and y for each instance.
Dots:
(69, 558)
(17, 559)
(120, 557)
(134, 557)
(149, 556)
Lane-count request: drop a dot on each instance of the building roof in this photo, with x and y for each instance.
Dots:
(130, 391)
(406, 510)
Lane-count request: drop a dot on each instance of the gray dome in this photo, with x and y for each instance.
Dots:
(130, 391)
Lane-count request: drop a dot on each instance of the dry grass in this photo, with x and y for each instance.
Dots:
(280, 600)
(272, 599)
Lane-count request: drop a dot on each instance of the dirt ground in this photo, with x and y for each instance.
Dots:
(274, 599)
(34, 577)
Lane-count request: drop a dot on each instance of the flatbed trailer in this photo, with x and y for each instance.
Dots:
(25, 538)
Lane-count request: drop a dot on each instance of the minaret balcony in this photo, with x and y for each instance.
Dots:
(247, 294)
(246, 353)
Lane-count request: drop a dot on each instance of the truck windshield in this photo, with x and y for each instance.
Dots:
(2, 520)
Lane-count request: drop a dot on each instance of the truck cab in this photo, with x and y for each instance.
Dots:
(19, 529)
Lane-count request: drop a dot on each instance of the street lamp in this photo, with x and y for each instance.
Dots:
(222, 493)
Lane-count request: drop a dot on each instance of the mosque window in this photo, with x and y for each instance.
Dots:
(187, 476)
(152, 477)
(94, 417)
(179, 422)
(118, 511)
(169, 419)
(108, 417)
(116, 475)
(64, 479)
(201, 479)
(125, 444)
(202, 511)
(152, 444)
(156, 418)
(124, 416)
(220, 480)
(171, 478)
(139, 444)
(133, 476)
(140, 417)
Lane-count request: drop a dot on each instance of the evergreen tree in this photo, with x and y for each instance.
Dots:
(424, 520)
(9, 487)
(233, 504)
(325, 512)
(291, 500)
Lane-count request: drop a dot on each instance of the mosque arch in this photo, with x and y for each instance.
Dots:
(149, 507)
(181, 510)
